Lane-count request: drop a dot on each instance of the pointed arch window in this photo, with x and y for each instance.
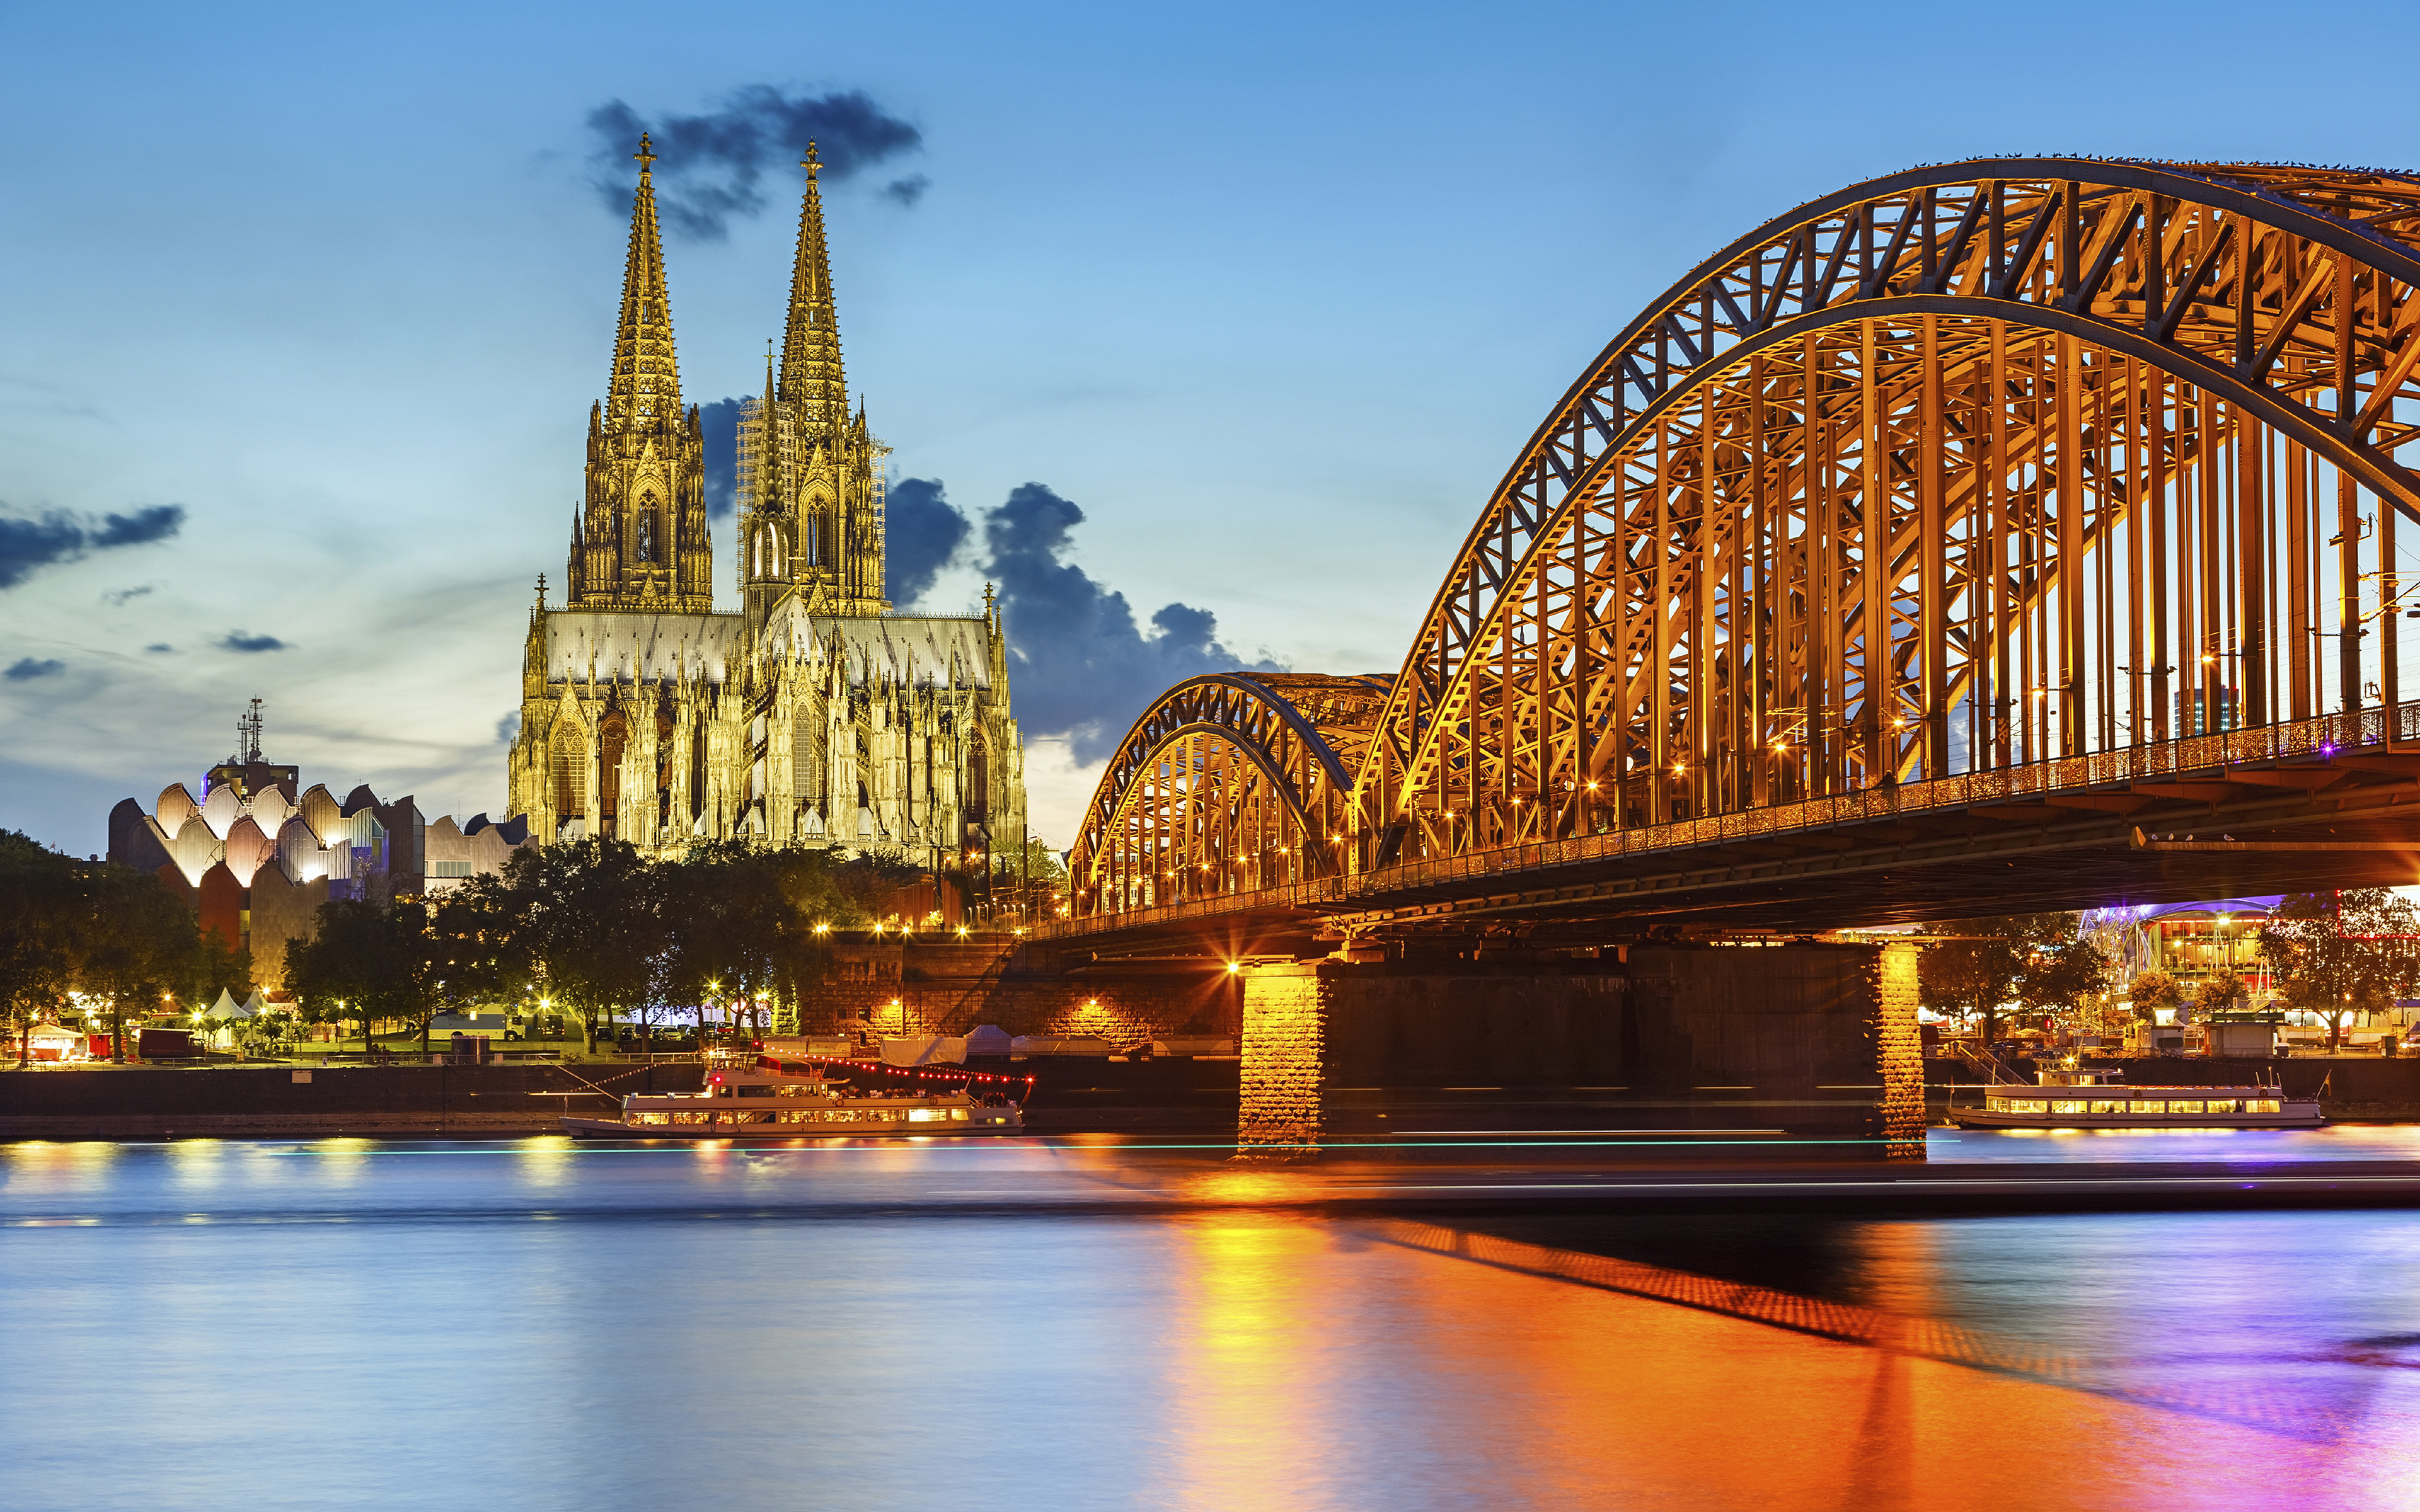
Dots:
(611, 737)
(976, 804)
(570, 774)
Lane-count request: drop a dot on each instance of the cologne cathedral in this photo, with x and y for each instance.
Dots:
(811, 715)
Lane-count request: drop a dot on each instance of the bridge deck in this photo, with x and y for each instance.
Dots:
(2053, 835)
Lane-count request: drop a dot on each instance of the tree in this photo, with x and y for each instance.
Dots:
(365, 961)
(1970, 977)
(2059, 977)
(2034, 959)
(41, 891)
(219, 967)
(2340, 953)
(137, 943)
(588, 924)
(1037, 876)
(476, 952)
(2216, 992)
(2152, 990)
(754, 924)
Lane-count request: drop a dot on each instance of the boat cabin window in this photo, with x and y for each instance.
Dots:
(2228, 1105)
(2067, 1105)
(2265, 1105)
(2141, 1106)
(2109, 1106)
(2184, 1107)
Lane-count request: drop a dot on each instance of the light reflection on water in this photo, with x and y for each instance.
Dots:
(2336, 1141)
(538, 1324)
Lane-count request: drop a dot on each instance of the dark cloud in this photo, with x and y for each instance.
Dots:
(921, 532)
(239, 640)
(906, 190)
(720, 421)
(117, 597)
(508, 729)
(26, 669)
(27, 545)
(154, 522)
(1082, 667)
(708, 167)
(160, 645)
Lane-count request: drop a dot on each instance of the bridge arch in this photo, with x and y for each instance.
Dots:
(1967, 467)
(1229, 783)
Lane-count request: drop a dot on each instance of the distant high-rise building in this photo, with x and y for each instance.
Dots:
(812, 714)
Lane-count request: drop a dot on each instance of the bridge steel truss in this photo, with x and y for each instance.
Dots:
(1955, 472)
(1229, 783)
(1971, 471)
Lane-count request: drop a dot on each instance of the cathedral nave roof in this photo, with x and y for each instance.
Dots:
(627, 644)
(893, 650)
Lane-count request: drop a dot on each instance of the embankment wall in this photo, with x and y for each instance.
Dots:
(153, 1102)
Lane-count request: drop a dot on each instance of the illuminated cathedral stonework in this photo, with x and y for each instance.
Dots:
(813, 714)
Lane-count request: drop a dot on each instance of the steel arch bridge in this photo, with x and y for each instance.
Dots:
(1999, 476)
(1227, 783)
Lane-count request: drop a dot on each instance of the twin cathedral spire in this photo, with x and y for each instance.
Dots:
(809, 482)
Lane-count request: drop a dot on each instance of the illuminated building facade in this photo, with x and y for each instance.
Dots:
(255, 853)
(811, 715)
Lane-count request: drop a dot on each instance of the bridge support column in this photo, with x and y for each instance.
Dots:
(1285, 1051)
(1899, 1052)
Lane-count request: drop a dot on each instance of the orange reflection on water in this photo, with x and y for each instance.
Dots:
(1343, 1365)
(1251, 1188)
(1247, 1365)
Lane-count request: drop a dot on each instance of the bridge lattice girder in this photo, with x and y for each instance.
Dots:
(1965, 473)
(1970, 467)
(1228, 782)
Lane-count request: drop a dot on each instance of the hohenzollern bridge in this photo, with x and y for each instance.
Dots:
(2002, 536)
(1958, 543)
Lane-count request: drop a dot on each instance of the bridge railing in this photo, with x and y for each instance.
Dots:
(2321, 735)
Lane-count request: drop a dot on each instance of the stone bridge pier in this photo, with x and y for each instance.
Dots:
(1816, 1039)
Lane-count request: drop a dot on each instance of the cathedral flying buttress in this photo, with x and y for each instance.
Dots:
(811, 715)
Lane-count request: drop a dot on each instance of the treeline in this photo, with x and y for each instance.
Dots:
(594, 928)
(596, 931)
(79, 937)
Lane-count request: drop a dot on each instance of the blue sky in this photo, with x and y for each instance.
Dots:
(1271, 294)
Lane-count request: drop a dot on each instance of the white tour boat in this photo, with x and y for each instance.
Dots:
(751, 1096)
(2095, 1099)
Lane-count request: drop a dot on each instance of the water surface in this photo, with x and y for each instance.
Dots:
(1072, 1324)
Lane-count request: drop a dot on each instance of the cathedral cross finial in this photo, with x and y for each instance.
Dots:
(813, 161)
(646, 155)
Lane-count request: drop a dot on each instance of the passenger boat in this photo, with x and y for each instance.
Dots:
(752, 1096)
(2095, 1099)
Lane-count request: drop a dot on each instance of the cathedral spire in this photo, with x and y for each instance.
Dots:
(812, 382)
(646, 380)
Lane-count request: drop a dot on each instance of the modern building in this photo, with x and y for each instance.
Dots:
(810, 714)
(256, 855)
(2193, 941)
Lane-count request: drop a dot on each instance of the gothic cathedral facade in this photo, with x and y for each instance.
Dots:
(811, 714)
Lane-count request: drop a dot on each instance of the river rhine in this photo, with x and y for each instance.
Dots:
(1076, 1324)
